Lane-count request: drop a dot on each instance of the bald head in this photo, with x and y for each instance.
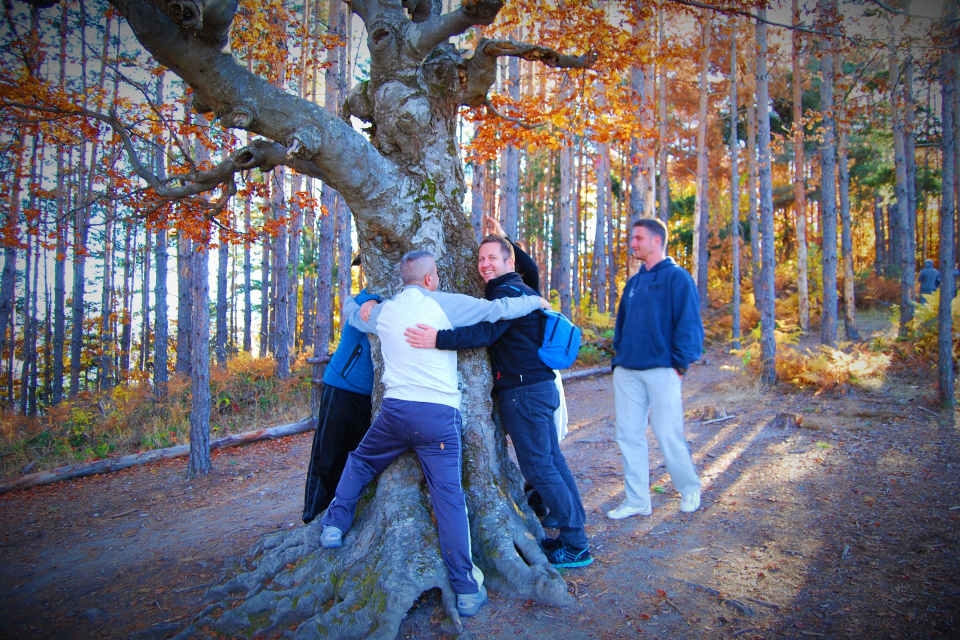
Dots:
(415, 266)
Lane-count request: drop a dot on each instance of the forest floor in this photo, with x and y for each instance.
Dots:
(846, 527)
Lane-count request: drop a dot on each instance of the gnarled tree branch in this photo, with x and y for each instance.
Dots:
(482, 66)
(427, 35)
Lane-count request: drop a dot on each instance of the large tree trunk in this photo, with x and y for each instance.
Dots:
(8, 277)
(734, 192)
(799, 180)
(828, 172)
(948, 84)
(768, 343)
(701, 214)
(405, 187)
(281, 295)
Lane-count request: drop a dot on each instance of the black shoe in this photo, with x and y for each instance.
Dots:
(549, 522)
(560, 554)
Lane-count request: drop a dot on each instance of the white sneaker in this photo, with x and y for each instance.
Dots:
(331, 538)
(624, 511)
(690, 502)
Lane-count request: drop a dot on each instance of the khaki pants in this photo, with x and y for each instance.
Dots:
(656, 392)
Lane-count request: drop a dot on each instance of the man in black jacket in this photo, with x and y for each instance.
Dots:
(528, 398)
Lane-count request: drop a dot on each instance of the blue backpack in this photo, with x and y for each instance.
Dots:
(561, 339)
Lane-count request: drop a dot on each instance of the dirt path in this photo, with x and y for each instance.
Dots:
(844, 528)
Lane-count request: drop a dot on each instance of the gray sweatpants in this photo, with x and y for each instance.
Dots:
(657, 392)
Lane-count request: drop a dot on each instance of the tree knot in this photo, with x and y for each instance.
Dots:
(305, 143)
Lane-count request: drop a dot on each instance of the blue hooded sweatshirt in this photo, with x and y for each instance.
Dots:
(351, 368)
(658, 322)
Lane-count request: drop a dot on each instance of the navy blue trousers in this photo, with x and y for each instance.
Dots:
(433, 431)
(527, 414)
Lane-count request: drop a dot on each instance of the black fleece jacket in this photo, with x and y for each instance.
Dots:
(513, 343)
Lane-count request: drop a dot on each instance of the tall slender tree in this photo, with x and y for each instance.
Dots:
(734, 189)
(828, 171)
(949, 63)
(768, 342)
(701, 221)
(799, 177)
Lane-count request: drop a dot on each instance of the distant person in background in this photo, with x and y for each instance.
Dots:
(344, 415)
(929, 279)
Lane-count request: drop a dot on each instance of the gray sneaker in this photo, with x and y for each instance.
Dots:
(331, 538)
(468, 604)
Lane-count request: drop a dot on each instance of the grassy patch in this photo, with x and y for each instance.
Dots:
(127, 419)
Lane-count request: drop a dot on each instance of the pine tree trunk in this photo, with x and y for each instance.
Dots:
(948, 117)
(8, 276)
(161, 358)
(146, 333)
(223, 262)
(846, 243)
(126, 318)
(768, 343)
(565, 229)
(185, 253)
(510, 196)
(799, 180)
(663, 150)
(293, 262)
(265, 271)
(734, 191)
(281, 335)
(701, 214)
(247, 282)
(879, 242)
(828, 172)
(199, 463)
(903, 239)
(477, 204)
(106, 302)
(752, 172)
(599, 266)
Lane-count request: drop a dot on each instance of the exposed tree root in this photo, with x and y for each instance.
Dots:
(293, 588)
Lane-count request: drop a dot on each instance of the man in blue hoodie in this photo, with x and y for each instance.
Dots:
(658, 335)
(344, 415)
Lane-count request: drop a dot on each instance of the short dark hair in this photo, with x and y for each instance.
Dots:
(656, 227)
(505, 245)
(414, 265)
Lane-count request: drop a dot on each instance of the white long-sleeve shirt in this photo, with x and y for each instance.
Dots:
(428, 375)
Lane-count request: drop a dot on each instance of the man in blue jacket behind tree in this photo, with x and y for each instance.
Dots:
(658, 335)
(345, 412)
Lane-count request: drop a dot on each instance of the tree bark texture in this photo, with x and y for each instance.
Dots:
(752, 204)
(768, 342)
(734, 193)
(701, 222)
(663, 149)
(565, 228)
(948, 84)
(828, 172)
(161, 325)
(199, 461)
(185, 254)
(846, 242)
(905, 261)
(405, 187)
(799, 180)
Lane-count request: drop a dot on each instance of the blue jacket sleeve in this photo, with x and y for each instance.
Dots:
(482, 334)
(688, 327)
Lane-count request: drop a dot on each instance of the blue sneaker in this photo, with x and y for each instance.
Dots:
(468, 604)
(561, 555)
(331, 538)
